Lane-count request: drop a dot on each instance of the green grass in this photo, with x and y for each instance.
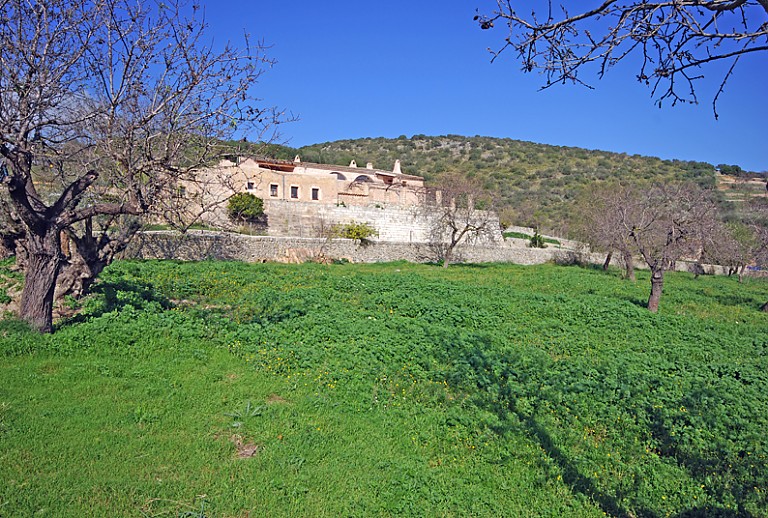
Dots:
(391, 389)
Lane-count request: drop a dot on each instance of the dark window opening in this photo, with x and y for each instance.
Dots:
(294, 191)
(315, 193)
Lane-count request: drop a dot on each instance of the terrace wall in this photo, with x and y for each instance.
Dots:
(200, 245)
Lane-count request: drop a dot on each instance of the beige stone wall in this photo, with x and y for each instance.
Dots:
(394, 223)
(199, 245)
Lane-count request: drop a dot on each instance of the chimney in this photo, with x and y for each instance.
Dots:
(396, 169)
(369, 165)
(296, 159)
(353, 164)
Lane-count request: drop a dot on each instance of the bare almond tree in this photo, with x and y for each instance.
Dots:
(668, 223)
(674, 39)
(106, 106)
(603, 213)
(462, 212)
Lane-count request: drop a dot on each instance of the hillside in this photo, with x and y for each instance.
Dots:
(536, 182)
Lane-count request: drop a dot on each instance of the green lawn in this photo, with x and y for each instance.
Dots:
(231, 390)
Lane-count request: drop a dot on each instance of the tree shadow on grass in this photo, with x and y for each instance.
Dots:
(498, 381)
(506, 383)
(114, 295)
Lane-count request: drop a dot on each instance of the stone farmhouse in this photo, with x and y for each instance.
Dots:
(299, 181)
(304, 199)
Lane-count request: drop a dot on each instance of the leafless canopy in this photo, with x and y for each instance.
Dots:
(106, 106)
(463, 211)
(675, 39)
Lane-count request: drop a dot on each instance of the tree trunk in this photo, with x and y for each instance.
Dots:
(77, 277)
(657, 283)
(764, 307)
(607, 261)
(447, 256)
(43, 262)
(629, 266)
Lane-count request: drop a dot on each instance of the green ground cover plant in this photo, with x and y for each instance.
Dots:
(227, 389)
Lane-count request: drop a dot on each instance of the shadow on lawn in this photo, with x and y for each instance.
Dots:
(505, 384)
(114, 295)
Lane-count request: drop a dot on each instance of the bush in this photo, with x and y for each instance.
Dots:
(537, 241)
(245, 207)
(356, 231)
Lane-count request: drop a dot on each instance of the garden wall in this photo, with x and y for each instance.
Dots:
(200, 245)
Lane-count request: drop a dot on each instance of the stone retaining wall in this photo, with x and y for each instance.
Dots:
(394, 223)
(200, 245)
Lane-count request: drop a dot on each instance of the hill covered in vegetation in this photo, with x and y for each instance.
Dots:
(536, 183)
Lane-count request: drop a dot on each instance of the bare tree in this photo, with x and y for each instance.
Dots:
(668, 223)
(732, 246)
(462, 212)
(105, 107)
(603, 213)
(675, 39)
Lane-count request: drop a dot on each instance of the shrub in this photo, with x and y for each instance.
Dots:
(356, 231)
(245, 207)
(537, 241)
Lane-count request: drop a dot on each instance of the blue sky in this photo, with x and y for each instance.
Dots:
(353, 69)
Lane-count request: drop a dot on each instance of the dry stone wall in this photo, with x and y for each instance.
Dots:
(396, 224)
(201, 245)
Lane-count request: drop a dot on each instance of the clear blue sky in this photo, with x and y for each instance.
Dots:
(353, 69)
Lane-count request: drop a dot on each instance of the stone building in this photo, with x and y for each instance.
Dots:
(303, 199)
(323, 183)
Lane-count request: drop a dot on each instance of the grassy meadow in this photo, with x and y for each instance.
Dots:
(223, 389)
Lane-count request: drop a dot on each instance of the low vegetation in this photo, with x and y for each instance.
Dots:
(223, 389)
(245, 207)
(360, 232)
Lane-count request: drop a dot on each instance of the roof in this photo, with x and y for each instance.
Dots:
(289, 166)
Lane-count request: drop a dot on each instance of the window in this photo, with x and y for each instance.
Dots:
(294, 191)
(315, 193)
(273, 189)
(249, 186)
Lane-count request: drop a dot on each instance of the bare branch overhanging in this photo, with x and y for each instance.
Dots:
(674, 39)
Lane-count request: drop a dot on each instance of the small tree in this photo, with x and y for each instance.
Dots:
(359, 232)
(462, 210)
(666, 224)
(245, 207)
(536, 240)
(604, 215)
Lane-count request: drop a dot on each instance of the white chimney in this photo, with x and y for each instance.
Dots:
(396, 169)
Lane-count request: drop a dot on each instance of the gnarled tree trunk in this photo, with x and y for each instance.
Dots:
(607, 261)
(629, 265)
(657, 284)
(43, 261)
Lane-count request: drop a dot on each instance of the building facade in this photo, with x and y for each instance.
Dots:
(303, 199)
(324, 183)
